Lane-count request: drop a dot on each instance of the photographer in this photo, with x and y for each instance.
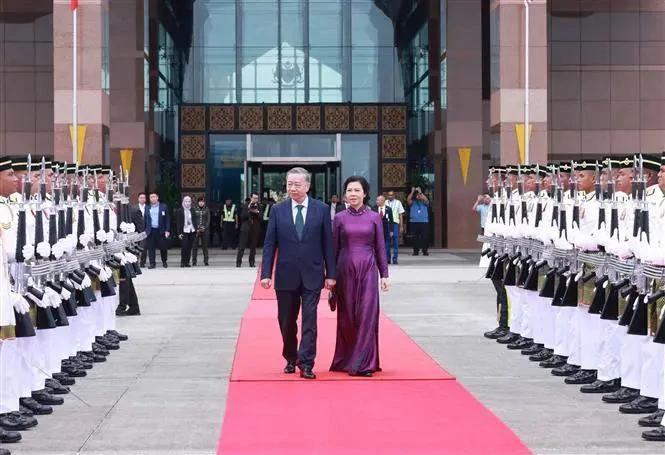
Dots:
(419, 220)
(250, 229)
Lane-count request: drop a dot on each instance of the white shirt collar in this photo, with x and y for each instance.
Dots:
(304, 203)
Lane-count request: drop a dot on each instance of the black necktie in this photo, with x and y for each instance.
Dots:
(300, 221)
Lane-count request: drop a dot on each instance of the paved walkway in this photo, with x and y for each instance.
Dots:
(164, 391)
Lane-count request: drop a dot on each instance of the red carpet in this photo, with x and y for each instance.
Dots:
(412, 407)
(259, 353)
(354, 417)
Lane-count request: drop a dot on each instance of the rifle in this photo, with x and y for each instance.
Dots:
(599, 197)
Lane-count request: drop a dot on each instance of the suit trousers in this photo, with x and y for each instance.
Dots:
(420, 236)
(157, 240)
(186, 247)
(144, 253)
(249, 237)
(288, 307)
(202, 238)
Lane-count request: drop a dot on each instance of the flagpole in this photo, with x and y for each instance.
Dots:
(75, 121)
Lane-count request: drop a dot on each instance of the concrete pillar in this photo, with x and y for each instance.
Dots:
(464, 123)
(507, 103)
(93, 97)
(128, 129)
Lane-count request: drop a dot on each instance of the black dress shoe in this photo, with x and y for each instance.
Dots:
(363, 374)
(623, 395)
(64, 379)
(290, 368)
(599, 386)
(307, 373)
(582, 377)
(25, 411)
(508, 338)
(521, 343)
(4, 451)
(14, 421)
(496, 333)
(543, 355)
(533, 350)
(9, 437)
(35, 407)
(118, 335)
(654, 435)
(43, 397)
(652, 420)
(640, 405)
(565, 370)
(555, 361)
(55, 388)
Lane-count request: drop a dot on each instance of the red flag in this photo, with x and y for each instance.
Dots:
(74, 4)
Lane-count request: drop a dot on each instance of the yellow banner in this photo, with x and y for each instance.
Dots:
(519, 130)
(464, 161)
(81, 140)
(126, 156)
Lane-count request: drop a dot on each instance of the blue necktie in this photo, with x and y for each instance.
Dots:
(300, 222)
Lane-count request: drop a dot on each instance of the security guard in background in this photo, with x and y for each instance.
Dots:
(229, 214)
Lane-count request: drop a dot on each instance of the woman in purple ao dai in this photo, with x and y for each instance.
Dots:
(361, 259)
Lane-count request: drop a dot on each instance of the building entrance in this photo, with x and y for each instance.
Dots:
(269, 179)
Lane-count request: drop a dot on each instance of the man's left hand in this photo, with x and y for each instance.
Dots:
(330, 283)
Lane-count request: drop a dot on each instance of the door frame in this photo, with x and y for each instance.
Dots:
(259, 168)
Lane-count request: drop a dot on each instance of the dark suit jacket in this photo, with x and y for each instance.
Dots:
(249, 219)
(164, 219)
(180, 220)
(138, 219)
(387, 221)
(305, 262)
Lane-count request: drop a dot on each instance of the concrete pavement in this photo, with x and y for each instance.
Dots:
(164, 391)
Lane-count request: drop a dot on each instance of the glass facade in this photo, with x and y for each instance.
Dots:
(292, 51)
(226, 167)
(360, 157)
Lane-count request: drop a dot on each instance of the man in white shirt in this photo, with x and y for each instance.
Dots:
(335, 206)
(398, 223)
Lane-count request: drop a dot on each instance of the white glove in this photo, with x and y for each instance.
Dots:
(131, 228)
(28, 252)
(44, 249)
(131, 258)
(65, 294)
(101, 235)
(52, 297)
(124, 227)
(58, 250)
(120, 257)
(71, 242)
(86, 281)
(83, 239)
(110, 236)
(19, 303)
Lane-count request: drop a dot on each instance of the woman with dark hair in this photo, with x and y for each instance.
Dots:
(361, 258)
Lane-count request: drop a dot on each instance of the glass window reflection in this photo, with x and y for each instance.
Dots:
(291, 51)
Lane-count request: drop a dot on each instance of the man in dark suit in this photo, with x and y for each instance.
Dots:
(250, 229)
(158, 229)
(139, 215)
(300, 228)
(335, 206)
(387, 217)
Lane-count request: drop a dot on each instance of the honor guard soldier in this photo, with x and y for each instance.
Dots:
(657, 197)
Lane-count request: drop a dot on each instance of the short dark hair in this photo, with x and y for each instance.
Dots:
(141, 193)
(363, 182)
(155, 193)
(254, 194)
(201, 198)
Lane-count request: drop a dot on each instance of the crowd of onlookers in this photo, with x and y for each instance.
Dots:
(233, 226)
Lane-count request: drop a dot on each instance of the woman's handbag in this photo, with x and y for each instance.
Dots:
(332, 300)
